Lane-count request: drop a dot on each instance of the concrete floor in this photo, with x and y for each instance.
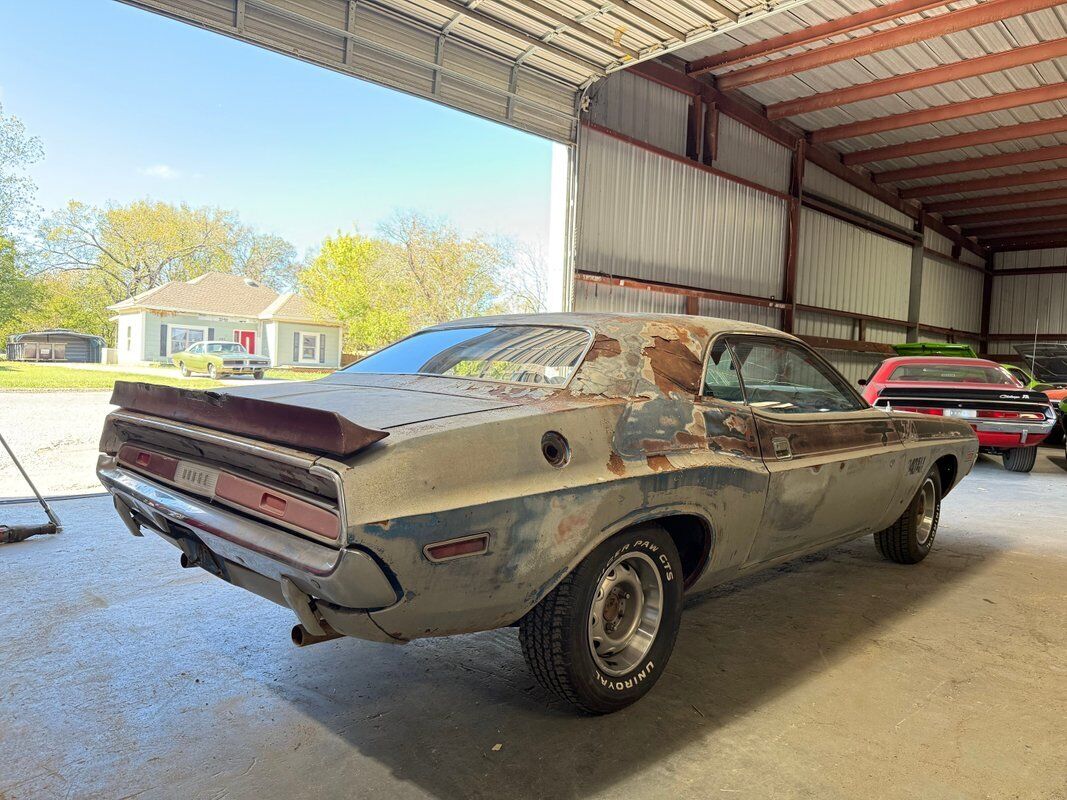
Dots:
(841, 676)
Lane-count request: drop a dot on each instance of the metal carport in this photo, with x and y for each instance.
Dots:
(858, 174)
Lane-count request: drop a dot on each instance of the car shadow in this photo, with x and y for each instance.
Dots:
(434, 711)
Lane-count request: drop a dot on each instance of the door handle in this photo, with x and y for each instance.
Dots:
(782, 450)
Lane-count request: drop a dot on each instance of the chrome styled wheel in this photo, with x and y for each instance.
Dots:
(926, 511)
(625, 614)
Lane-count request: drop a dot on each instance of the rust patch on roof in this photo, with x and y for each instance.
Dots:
(603, 347)
(674, 366)
(616, 464)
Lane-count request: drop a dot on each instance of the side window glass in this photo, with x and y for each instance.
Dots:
(721, 380)
(786, 379)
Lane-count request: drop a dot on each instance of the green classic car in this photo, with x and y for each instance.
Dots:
(218, 359)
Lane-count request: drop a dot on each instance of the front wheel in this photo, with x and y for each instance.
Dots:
(184, 370)
(909, 539)
(212, 372)
(1020, 459)
(602, 637)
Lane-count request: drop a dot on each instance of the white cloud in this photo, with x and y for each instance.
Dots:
(162, 171)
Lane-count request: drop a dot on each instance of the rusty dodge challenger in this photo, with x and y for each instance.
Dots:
(572, 475)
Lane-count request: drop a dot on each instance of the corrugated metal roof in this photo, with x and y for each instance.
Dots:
(1013, 32)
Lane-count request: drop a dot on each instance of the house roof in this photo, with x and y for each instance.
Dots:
(224, 294)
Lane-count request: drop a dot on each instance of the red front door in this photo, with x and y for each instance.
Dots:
(247, 339)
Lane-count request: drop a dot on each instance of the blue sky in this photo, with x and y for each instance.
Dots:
(129, 104)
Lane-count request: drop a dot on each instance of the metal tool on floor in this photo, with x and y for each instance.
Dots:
(18, 533)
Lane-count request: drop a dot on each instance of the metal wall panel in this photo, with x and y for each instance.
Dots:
(847, 268)
(642, 215)
(972, 258)
(821, 182)
(829, 326)
(853, 366)
(400, 45)
(642, 109)
(1026, 303)
(748, 154)
(1050, 257)
(599, 297)
(740, 311)
(951, 296)
(935, 241)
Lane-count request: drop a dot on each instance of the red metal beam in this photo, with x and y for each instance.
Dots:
(993, 217)
(925, 116)
(997, 200)
(977, 185)
(812, 34)
(675, 288)
(1045, 239)
(1007, 273)
(918, 80)
(1041, 226)
(972, 164)
(909, 33)
(1009, 133)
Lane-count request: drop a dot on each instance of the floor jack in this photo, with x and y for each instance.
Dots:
(17, 533)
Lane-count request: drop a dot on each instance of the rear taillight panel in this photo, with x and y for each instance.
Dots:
(261, 499)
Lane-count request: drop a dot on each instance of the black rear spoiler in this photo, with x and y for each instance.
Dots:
(309, 429)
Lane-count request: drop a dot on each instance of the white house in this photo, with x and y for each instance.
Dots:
(218, 306)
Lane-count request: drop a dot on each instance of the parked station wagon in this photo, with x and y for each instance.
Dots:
(572, 475)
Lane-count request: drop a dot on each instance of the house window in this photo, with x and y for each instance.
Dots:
(309, 347)
(182, 338)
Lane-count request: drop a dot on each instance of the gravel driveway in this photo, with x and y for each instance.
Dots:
(55, 435)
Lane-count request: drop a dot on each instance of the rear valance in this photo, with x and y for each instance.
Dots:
(303, 428)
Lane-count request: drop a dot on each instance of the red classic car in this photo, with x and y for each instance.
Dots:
(1010, 420)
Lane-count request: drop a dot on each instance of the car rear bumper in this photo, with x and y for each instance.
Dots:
(281, 566)
(1011, 434)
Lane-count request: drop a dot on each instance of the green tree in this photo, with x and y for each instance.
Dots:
(350, 280)
(449, 276)
(17, 290)
(135, 247)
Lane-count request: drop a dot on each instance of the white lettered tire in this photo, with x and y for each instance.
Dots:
(601, 638)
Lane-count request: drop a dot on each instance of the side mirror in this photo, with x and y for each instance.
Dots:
(862, 381)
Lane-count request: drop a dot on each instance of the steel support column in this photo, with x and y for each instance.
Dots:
(915, 285)
(792, 239)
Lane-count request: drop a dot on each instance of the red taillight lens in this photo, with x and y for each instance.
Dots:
(293, 510)
(455, 548)
(163, 466)
(937, 412)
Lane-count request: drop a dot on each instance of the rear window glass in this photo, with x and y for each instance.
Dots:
(507, 353)
(951, 373)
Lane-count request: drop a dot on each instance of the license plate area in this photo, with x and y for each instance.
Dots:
(196, 478)
(965, 413)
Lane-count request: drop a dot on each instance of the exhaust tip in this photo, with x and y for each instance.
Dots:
(302, 637)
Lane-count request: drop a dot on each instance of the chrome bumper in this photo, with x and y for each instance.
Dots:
(346, 577)
(1027, 428)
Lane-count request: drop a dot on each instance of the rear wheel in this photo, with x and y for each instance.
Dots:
(603, 636)
(258, 375)
(909, 539)
(184, 369)
(212, 372)
(1020, 459)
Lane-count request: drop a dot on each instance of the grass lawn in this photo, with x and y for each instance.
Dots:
(45, 377)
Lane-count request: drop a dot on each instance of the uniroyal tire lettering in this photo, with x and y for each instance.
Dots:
(630, 682)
